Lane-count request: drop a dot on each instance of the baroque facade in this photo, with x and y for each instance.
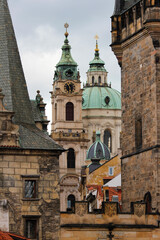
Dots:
(101, 105)
(76, 115)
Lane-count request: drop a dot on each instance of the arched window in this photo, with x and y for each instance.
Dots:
(107, 139)
(148, 201)
(93, 80)
(56, 112)
(69, 111)
(99, 80)
(71, 158)
(71, 202)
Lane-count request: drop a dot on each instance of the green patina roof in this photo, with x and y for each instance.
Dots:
(66, 68)
(98, 150)
(97, 64)
(96, 98)
(66, 58)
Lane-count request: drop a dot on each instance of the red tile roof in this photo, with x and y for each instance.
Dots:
(11, 236)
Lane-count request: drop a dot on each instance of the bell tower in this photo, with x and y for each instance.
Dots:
(136, 44)
(67, 126)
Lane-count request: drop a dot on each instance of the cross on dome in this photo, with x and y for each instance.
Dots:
(66, 25)
(96, 37)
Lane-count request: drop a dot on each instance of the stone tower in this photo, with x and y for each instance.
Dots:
(136, 44)
(67, 126)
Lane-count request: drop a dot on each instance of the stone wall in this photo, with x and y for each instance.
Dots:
(84, 225)
(139, 57)
(16, 166)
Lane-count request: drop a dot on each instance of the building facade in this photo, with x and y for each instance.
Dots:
(135, 42)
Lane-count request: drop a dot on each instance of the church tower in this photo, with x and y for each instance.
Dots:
(101, 105)
(136, 44)
(67, 126)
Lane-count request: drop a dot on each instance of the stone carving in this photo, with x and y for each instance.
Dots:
(70, 180)
(81, 208)
(139, 209)
(9, 135)
(111, 209)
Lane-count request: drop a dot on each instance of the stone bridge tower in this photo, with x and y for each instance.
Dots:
(136, 44)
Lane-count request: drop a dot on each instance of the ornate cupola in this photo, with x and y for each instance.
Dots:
(66, 68)
(98, 150)
(97, 74)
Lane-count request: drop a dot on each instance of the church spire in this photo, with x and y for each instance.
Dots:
(66, 67)
(12, 79)
(97, 64)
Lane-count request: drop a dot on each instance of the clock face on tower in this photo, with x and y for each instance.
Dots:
(69, 87)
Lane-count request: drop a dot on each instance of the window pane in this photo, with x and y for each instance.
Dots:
(111, 171)
(30, 189)
(31, 229)
(71, 201)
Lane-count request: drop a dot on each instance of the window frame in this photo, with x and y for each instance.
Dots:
(30, 178)
(31, 218)
(111, 174)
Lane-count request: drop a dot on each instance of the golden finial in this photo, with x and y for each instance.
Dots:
(96, 37)
(66, 25)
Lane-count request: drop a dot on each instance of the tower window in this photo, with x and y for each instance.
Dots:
(108, 139)
(69, 111)
(99, 80)
(92, 80)
(71, 158)
(138, 133)
(71, 202)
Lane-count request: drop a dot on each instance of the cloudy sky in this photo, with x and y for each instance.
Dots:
(39, 28)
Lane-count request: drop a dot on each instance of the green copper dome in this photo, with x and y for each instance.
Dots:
(66, 68)
(97, 64)
(98, 150)
(101, 97)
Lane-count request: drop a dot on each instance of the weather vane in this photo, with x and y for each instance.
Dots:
(96, 37)
(66, 25)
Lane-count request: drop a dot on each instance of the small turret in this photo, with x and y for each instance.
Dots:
(97, 74)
